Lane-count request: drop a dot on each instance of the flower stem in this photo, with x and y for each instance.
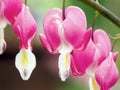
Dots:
(25, 2)
(63, 9)
(104, 11)
(114, 43)
(94, 20)
(95, 17)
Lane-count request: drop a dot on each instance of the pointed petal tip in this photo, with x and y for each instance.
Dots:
(25, 76)
(64, 75)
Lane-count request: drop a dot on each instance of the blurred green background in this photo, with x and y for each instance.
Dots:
(45, 76)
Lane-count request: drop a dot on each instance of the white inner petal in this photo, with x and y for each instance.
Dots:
(64, 66)
(93, 84)
(2, 41)
(25, 62)
(3, 22)
(64, 49)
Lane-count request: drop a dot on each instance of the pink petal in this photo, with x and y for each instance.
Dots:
(107, 73)
(101, 39)
(82, 59)
(0, 2)
(12, 9)
(74, 26)
(1, 8)
(46, 44)
(75, 70)
(102, 42)
(25, 27)
(51, 25)
(86, 39)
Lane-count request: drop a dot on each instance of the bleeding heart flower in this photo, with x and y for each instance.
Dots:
(9, 9)
(103, 51)
(103, 47)
(25, 28)
(107, 73)
(96, 52)
(62, 36)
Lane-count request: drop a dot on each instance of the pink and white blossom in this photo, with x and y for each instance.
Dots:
(62, 36)
(25, 28)
(93, 61)
(107, 73)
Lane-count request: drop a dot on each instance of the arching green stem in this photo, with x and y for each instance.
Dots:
(94, 20)
(103, 11)
(114, 43)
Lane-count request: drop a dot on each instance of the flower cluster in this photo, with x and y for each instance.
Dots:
(97, 61)
(18, 15)
(81, 50)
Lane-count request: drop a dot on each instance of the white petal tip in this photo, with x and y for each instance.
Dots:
(64, 75)
(63, 80)
(25, 75)
(64, 66)
(2, 47)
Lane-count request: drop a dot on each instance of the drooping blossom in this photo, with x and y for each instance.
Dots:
(64, 35)
(88, 61)
(25, 28)
(103, 52)
(107, 73)
(9, 9)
